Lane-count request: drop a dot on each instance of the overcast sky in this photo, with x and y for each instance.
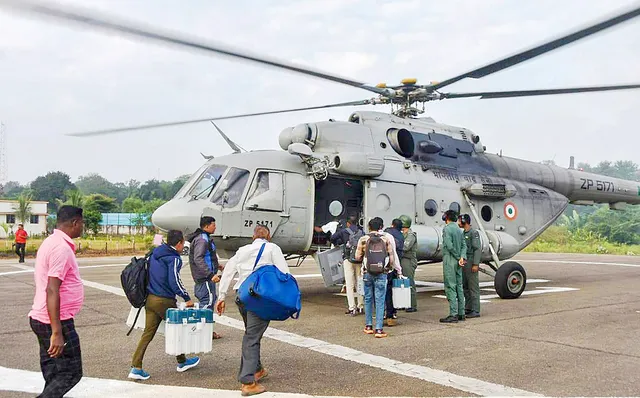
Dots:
(56, 79)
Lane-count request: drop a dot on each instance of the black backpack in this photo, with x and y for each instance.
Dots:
(352, 245)
(376, 254)
(134, 279)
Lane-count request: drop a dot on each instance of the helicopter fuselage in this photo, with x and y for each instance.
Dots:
(379, 165)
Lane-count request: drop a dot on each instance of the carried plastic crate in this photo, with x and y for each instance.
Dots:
(188, 330)
(401, 293)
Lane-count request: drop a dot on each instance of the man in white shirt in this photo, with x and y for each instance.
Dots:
(242, 264)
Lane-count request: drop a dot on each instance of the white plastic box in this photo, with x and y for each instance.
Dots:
(188, 330)
(401, 293)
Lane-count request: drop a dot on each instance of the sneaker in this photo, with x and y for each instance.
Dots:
(449, 319)
(380, 334)
(252, 389)
(473, 314)
(368, 329)
(351, 312)
(411, 309)
(138, 374)
(188, 364)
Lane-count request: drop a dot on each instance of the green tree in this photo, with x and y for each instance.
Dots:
(74, 198)
(51, 186)
(92, 219)
(94, 183)
(152, 189)
(100, 203)
(151, 206)
(23, 208)
(132, 205)
(12, 189)
(618, 226)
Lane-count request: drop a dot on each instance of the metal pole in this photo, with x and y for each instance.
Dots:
(475, 215)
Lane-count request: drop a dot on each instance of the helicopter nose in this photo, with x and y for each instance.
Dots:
(175, 215)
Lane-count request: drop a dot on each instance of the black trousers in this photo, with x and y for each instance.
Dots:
(254, 328)
(63, 373)
(388, 299)
(20, 247)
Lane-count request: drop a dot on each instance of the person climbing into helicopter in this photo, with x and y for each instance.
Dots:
(204, 264)
(395, 230)
(454, 253)
(470, 283)
(409, 258)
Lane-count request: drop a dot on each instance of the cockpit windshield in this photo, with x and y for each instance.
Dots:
(207, 181)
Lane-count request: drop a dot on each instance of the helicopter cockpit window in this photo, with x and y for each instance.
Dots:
(266, 192)
(230, 190)
(208, 180)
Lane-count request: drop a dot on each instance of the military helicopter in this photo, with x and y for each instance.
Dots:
(377, 165)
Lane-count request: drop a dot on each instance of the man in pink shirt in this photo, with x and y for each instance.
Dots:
(58, 298)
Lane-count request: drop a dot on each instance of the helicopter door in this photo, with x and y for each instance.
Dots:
(389, 200)
(265, 203)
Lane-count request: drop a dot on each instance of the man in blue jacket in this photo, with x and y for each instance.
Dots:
(204, 264)
(395, 230)
(164, 285)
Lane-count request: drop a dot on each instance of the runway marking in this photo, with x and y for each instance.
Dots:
(424, 373)
(543, 289)
(581, 263)
(32, 383)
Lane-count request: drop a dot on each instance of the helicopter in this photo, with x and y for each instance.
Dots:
(375, 164)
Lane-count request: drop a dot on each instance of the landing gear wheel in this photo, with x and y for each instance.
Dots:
(510, 280)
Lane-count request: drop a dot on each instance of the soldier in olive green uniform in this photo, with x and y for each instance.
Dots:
(470, 282)
(454, 252)
(409, 260)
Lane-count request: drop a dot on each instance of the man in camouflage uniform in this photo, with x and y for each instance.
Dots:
(470, 283)
(409, 259)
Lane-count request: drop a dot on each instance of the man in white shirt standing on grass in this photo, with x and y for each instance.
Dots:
(242, 264)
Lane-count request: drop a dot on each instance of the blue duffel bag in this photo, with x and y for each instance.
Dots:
(269, 293)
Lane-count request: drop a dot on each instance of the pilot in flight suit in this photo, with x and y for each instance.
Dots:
(454, 252)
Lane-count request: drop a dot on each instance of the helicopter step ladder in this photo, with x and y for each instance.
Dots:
(494, 255)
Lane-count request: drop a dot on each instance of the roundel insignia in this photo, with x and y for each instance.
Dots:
(510, 211)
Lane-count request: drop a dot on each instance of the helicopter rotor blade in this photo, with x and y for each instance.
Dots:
(540, 49)
(211, 119)
(533, 93)
(87, 18)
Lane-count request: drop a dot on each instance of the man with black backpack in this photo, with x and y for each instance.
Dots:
(163, 287)
(349, 237)
(377, 253)
(204, 264)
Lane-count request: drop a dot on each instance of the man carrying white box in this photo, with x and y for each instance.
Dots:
(164, 285)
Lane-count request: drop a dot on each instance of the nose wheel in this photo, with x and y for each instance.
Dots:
(510, 280)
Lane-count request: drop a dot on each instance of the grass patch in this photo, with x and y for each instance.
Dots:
(558, 239)
(90, 246)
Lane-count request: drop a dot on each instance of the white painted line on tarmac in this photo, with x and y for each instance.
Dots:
(581, 263)
(24, 271)
(424, 373)
(32, 383)
(543, 290)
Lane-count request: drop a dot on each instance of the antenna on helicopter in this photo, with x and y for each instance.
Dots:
(235, 147)
(207, 157)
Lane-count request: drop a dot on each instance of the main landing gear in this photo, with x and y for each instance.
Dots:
(509, 280)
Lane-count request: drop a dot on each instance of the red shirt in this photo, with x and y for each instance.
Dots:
(21, 236)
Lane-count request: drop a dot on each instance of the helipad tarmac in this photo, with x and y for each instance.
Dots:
(573, 333)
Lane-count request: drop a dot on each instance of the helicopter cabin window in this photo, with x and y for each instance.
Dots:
(267, 192)
(207, 182)
(231, 188)
(431, 207)
(455, 206)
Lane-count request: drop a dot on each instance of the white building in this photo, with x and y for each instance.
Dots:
(35, 225)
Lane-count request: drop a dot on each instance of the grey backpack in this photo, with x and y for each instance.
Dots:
(376, 254)
(352, 245)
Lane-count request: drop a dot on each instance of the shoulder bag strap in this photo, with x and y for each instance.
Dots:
(258, 257)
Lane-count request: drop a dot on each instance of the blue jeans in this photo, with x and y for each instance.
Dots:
(374, 286)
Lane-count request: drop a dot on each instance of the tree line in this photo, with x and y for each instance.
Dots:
(94, 193)
(616, 226)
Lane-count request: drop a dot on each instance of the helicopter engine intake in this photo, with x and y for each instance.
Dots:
(358, 164)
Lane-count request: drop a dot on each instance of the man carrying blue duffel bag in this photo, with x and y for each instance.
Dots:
(265, 291)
